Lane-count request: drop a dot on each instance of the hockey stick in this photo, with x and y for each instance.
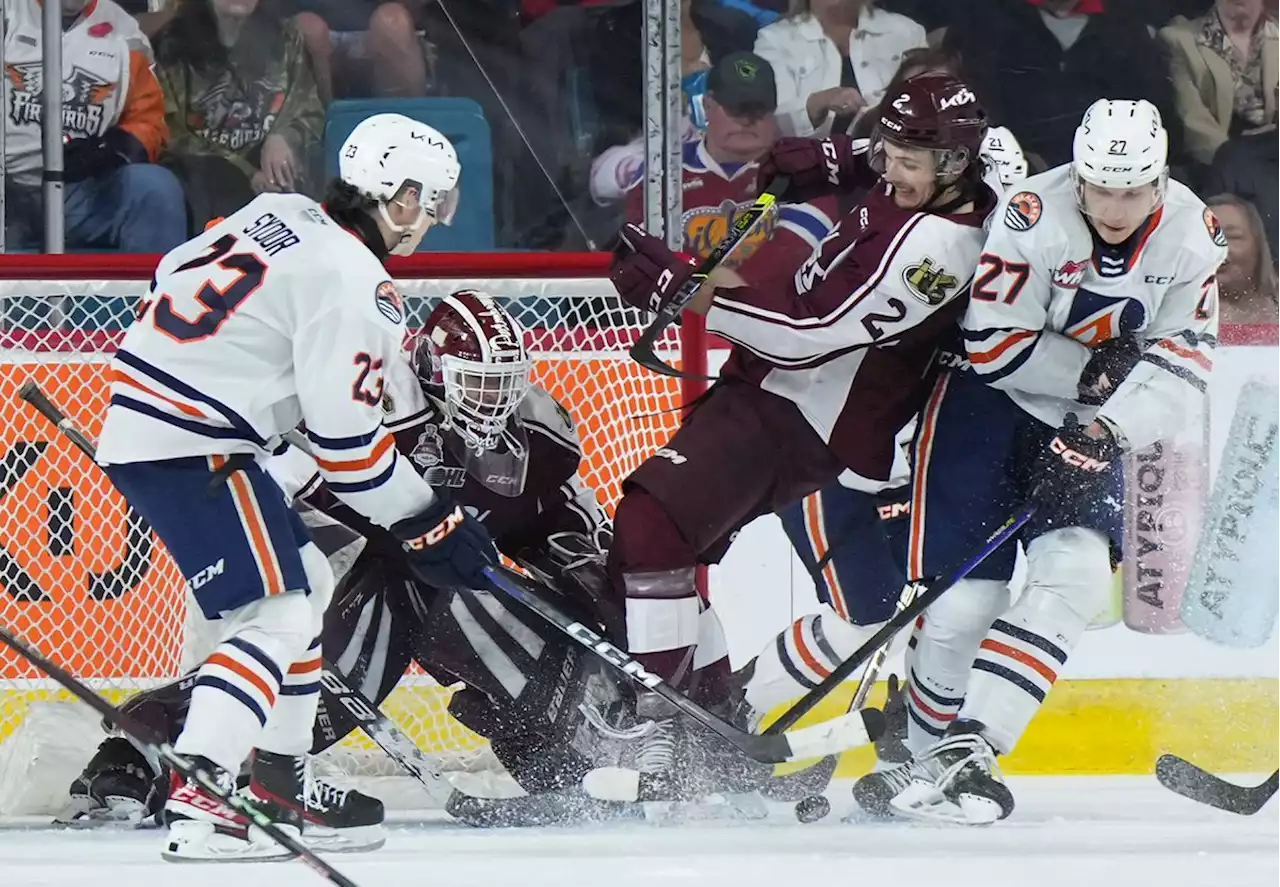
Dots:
(178, 763)
(642, 352)
(901, 620)
(1185, 778)
(385, 733)
(837, 735)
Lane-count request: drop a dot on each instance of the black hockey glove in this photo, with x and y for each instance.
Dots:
(446, 546)
(1109, 364)
(99, 155)
(1074, 463)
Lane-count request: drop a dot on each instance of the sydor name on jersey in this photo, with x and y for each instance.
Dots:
(273, 235)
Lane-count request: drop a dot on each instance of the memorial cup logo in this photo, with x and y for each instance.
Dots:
(84, 97)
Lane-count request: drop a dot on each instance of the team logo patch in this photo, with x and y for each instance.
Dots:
(389, 303)
(1070, 275)
(1215, 227)
(928, 284)
(1023, 211)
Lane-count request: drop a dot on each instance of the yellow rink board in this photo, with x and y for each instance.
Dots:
(1120, 726)
(1086, 727)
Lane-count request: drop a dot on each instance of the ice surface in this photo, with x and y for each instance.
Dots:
(1066, 832)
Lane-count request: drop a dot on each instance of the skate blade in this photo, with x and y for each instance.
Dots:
(358, 839)
(920, 802)
(193, 841)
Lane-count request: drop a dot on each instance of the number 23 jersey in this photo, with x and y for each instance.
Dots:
(1047, 291)
(274, 316)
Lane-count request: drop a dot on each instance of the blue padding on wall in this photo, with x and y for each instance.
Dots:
(463, 123)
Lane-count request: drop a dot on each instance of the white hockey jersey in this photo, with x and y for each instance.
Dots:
(1045, 293)
(272, 317)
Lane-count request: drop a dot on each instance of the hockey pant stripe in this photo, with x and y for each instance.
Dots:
(924, 725)
(303, 676)
(931, 711)
(240, 673)
(785, 658)
(246, 503)
(922, 452)
(260, 658)
(815, 525)
(936, 698)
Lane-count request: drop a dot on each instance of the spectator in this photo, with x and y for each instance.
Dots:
(1247, 280)
(113, 127)
(719, 172)
(363, 47)
(241, 104)
(1038, 64)
(833, 58)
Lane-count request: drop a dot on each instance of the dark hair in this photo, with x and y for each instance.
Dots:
(353, 209)
(191, 38)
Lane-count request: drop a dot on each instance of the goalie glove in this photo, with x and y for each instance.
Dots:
(645, 272)
(1109, 363)
(446, 546)
(573, 564)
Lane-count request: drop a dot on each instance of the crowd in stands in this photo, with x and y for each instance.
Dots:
(208, 102)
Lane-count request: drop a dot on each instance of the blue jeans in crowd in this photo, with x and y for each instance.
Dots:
(138, 208)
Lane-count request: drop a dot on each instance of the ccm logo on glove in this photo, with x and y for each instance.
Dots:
(1077, 459)
(439, 532)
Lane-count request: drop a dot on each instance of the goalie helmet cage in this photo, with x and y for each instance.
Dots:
(105, 600)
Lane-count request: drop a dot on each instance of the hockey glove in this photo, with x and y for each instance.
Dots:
(816, 166)
(1074, 463)
(99, 155)
(446, 546)
(645, 272)
(1109, 364)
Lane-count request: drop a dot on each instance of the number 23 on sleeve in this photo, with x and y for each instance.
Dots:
(364, 389)
(999, 280)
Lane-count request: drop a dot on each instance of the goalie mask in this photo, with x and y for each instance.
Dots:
(470, 357)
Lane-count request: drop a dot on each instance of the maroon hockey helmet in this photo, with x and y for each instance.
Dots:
(935, 111)
(471, 354)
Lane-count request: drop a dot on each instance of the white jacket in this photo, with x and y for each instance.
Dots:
(805, 60)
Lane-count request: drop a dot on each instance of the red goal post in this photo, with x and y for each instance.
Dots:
(100, 596)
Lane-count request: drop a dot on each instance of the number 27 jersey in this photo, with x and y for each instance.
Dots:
(274, 316)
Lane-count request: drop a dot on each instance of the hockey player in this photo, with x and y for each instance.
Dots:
(824, 372)
(280, 314)
(1089, 332)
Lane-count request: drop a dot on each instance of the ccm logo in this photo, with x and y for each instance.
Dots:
(439, 532)
(613, 655)
(832, 161)
(1076, 458)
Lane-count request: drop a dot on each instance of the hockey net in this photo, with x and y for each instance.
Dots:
(103, 598)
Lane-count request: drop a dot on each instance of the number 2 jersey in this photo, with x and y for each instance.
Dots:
(850, 338)
(275, 316)
(1047, 290)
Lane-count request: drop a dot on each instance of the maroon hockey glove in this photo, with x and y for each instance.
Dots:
(645, 272)
(1074, 463)
(1109, 364)
(816, 166)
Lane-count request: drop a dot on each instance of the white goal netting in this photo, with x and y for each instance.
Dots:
(86, 582)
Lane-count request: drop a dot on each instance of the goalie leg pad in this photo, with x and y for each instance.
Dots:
(941, 652)
(1068, 582)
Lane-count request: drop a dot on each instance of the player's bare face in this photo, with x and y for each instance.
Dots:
(1117, 212)
(913, 174)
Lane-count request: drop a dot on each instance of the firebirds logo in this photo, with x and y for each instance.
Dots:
(84, 98)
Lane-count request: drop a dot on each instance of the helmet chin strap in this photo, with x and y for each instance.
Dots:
(410, 235)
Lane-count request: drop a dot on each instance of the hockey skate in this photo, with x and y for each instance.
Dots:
(956, 780)
(204, 829)
(333, 819)
(118, 786)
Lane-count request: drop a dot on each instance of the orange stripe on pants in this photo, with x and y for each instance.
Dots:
(920, 459)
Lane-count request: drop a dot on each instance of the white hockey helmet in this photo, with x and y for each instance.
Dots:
(1003, 154)
(387, 151)
(1121, 144)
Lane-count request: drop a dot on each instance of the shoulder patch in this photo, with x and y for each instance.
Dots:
(929, 284)
(1216, 234)
(389, 303)
(1023, 211)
